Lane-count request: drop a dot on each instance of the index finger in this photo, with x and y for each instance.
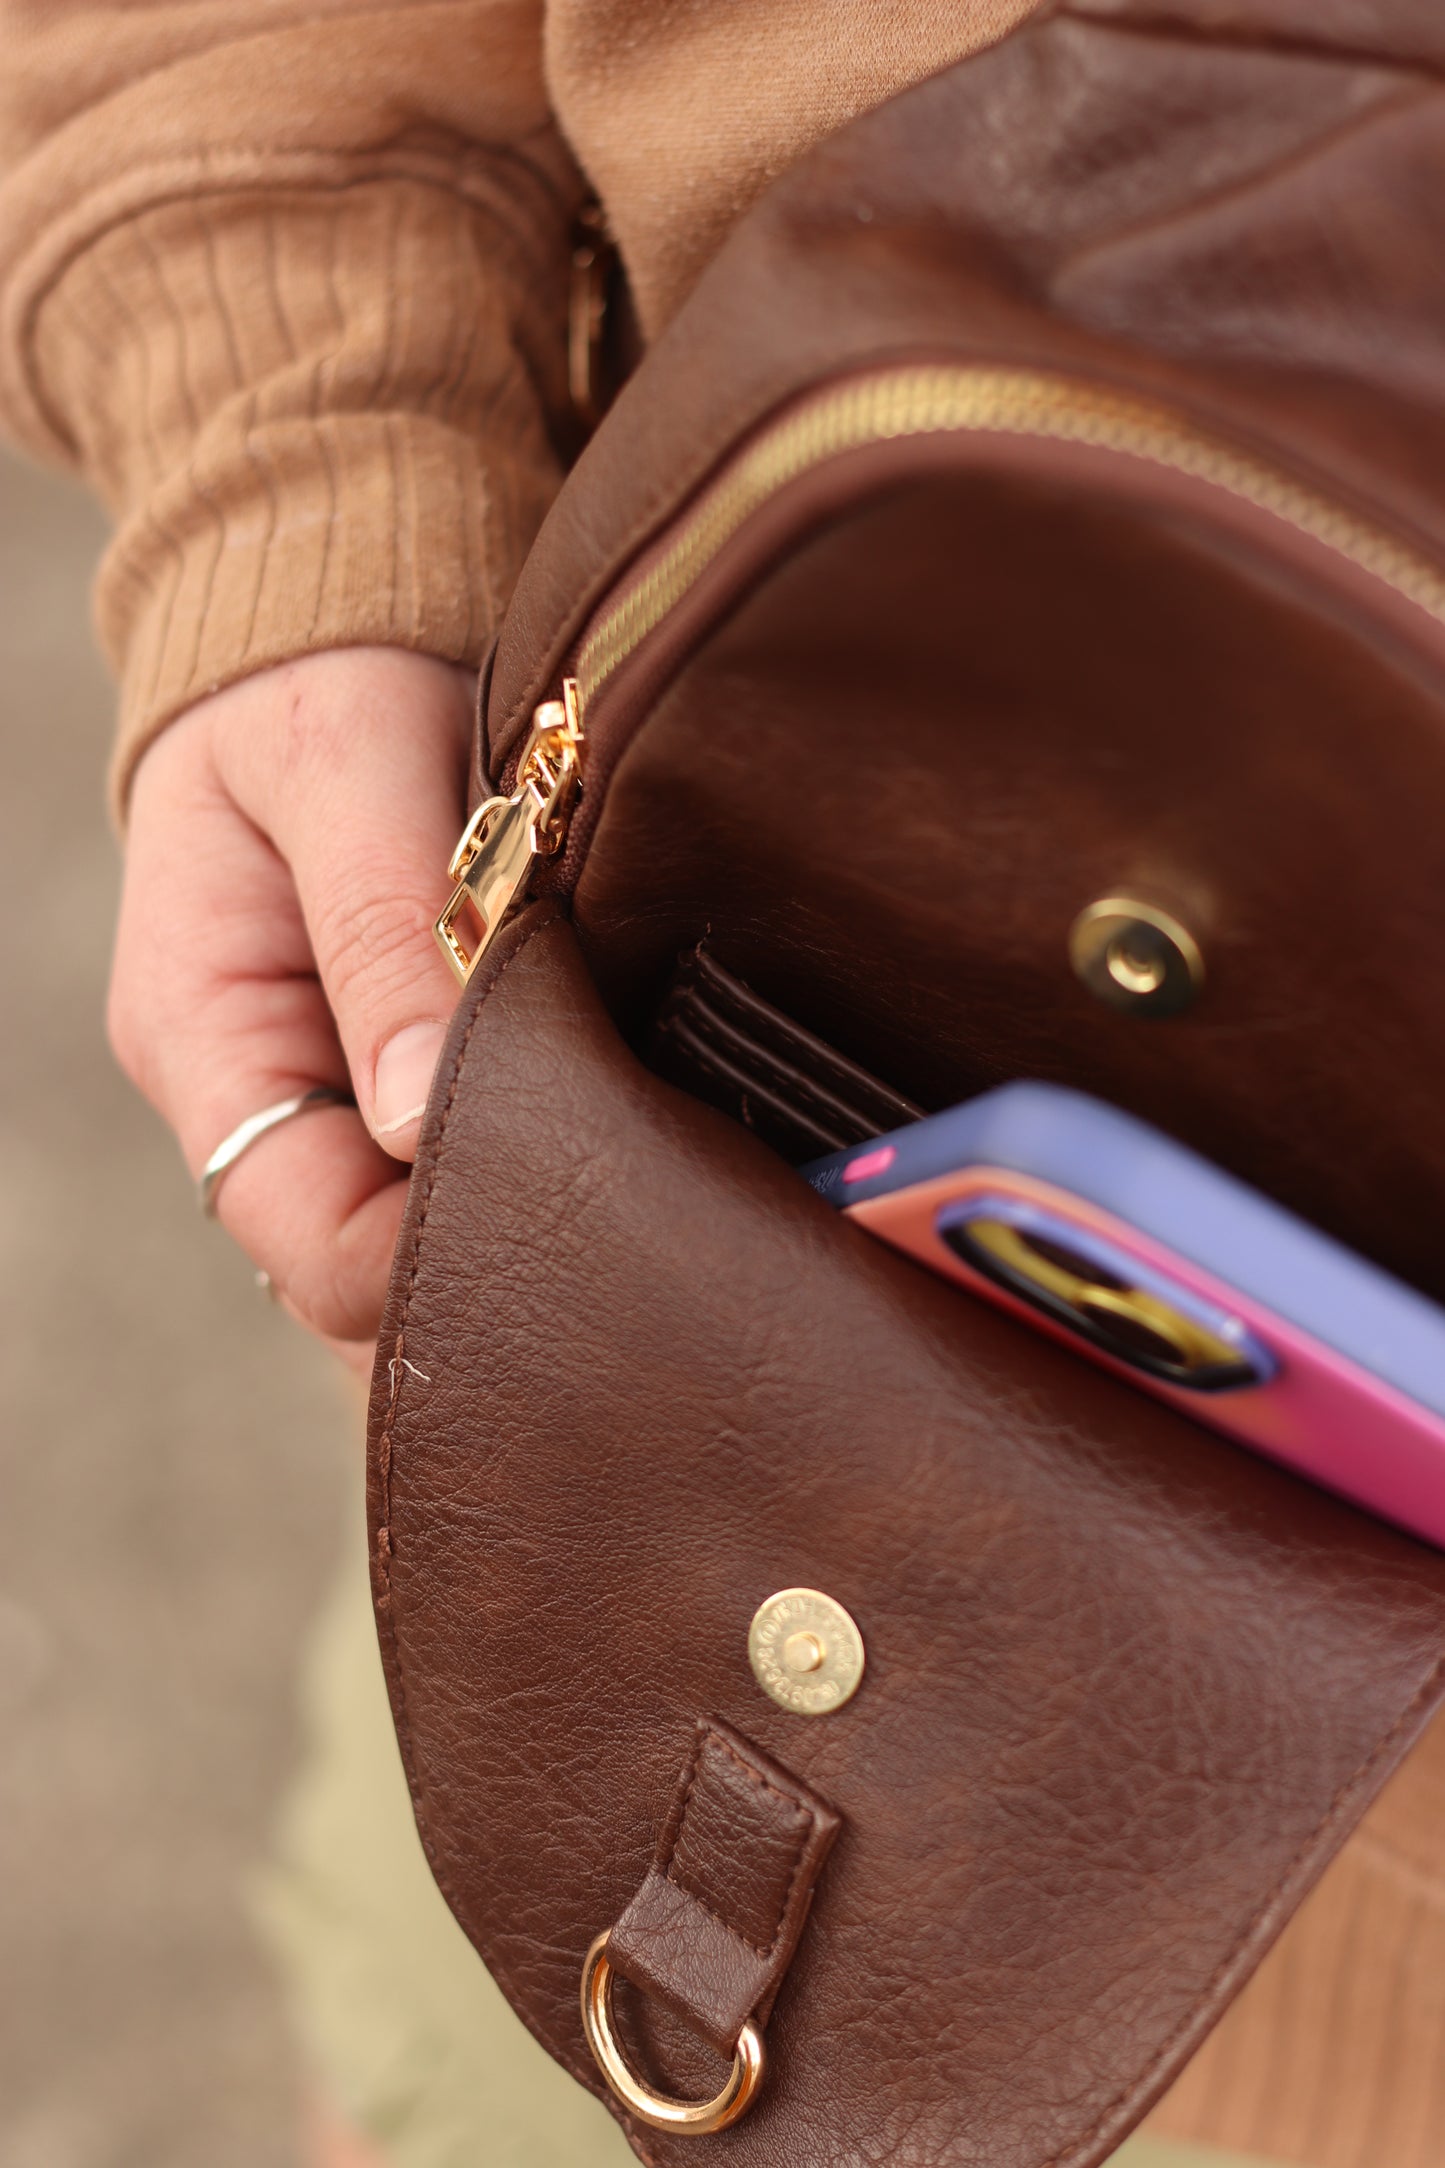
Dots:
(217, 1014)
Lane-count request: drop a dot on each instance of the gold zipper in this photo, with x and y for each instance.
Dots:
(897, 403)
(506, 836)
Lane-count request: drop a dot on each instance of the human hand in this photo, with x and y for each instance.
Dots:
(286, 856)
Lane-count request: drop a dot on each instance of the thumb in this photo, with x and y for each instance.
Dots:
(358, 778)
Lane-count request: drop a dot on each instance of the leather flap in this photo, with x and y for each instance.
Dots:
(1127, 1688)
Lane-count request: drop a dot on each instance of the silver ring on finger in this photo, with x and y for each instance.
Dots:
(251, 1131)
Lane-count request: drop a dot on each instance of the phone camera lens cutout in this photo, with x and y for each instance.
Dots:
(1071, 1279)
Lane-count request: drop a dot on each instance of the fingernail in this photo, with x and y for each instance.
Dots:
(403, 1078)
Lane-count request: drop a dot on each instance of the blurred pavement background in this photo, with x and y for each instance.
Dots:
(173, 1458)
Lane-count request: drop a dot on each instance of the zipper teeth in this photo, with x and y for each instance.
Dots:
(927, 401)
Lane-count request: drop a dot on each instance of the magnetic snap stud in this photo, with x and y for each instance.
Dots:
(806, 1652)
(803, 1652)
(1135, 956)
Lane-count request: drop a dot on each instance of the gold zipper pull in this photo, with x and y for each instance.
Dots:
(501, 843)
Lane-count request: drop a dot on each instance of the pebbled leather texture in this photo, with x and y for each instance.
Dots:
(1127, 1687)
(712, 1931)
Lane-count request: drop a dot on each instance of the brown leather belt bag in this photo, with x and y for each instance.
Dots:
(1038, 502)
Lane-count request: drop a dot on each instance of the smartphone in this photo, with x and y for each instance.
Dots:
(1108, 1236)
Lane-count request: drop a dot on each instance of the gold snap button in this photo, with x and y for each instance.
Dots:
(806, 1652)
(1136, 956)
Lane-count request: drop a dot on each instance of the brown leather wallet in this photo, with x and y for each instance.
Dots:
(1032, 526)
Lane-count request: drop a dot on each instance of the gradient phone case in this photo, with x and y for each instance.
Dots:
(1132, 1250)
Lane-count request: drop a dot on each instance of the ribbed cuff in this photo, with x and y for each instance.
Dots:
(361, 529)
(320, 419)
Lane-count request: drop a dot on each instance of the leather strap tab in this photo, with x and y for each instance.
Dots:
(713, 1928)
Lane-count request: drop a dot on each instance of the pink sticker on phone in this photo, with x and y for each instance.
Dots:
(877, 1162)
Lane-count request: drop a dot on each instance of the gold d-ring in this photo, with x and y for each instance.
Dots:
(687, 2118)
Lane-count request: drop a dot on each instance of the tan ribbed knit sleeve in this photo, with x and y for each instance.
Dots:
(285, 281)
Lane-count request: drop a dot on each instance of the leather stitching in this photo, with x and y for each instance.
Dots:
(754, 1776)
(704, 1733)
(398, 1365)
(573, 2063)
